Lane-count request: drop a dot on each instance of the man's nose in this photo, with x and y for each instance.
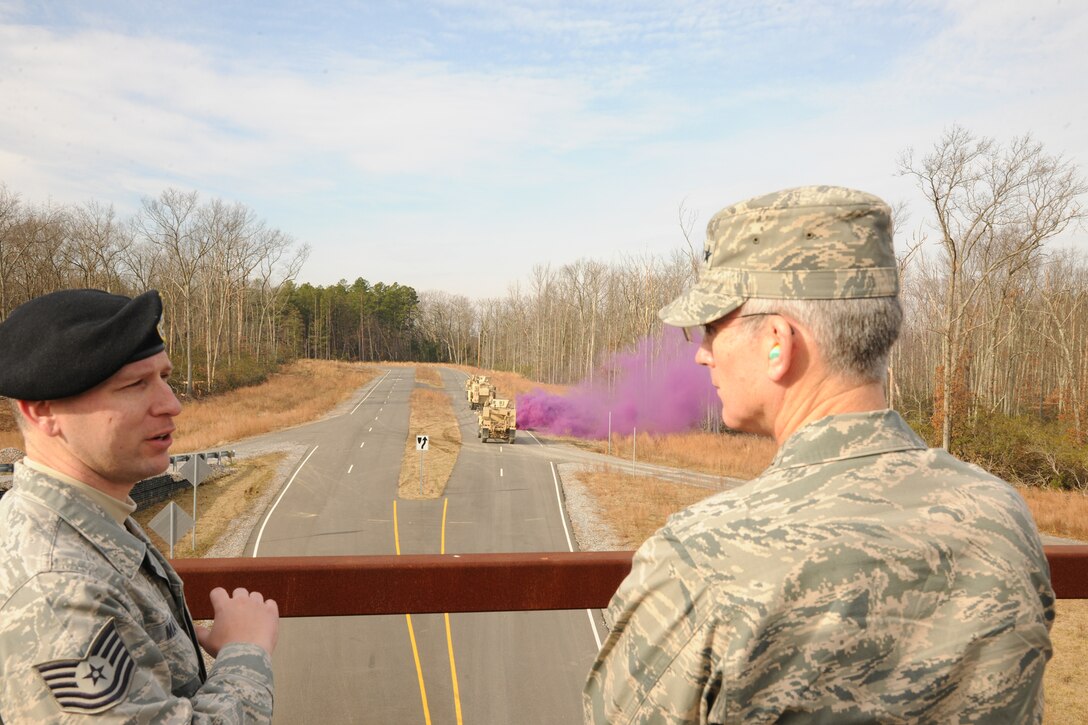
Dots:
(168, 403)
(703, 356)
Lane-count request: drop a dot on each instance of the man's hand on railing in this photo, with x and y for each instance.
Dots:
(243, 616)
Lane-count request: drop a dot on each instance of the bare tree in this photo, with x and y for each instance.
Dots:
(169, 222)
(94, 243)
(1064, 298)
(9, 211)
(993, 208)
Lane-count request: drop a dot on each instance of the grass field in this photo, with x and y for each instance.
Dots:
(302, 392)
(736, 456)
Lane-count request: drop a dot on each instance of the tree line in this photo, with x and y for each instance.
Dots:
(996, 317)
(224, 275)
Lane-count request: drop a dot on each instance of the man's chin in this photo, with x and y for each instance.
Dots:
(156, 466)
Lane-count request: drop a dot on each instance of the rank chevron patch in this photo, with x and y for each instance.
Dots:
(98, 681)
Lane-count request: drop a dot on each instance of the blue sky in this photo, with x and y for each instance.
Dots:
(422, 143)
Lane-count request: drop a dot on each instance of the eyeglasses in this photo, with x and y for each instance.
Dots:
(709, 330)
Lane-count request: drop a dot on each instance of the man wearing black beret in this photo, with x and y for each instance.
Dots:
(92, 617)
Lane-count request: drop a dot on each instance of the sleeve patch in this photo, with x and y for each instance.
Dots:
(98, 681)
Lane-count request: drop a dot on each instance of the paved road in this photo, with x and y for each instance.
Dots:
(513, 667)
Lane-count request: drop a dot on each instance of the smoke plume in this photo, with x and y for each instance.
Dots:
(656, 388)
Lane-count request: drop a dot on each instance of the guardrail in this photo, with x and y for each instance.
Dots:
(325, 586)
(206, 455)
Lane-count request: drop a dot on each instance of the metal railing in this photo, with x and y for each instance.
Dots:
(208, 456)
(323, 586)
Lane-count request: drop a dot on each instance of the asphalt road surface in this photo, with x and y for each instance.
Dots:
(481, 669)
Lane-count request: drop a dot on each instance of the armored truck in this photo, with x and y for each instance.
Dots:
(481, 393)
(498, 421)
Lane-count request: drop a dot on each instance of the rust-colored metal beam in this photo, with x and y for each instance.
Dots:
(323, 586)
(1068, 570)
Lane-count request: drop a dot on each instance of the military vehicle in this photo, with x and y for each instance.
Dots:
(481, 393)
(471, 382)
(498, 421)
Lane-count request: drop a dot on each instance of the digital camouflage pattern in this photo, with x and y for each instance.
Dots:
(93, 622)
(861, 578)
(813, 242)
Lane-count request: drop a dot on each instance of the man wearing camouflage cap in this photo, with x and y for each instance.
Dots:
(93, 621)
(862, 577)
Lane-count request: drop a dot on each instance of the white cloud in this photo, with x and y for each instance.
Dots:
(93, 98)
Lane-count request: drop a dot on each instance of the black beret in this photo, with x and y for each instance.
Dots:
(67, 342)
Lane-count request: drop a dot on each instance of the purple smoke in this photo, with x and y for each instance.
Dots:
(657, 388)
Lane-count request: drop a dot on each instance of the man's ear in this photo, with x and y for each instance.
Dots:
(781, 348)
(38, 415)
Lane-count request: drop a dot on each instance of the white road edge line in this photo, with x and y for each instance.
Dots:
(570, 546)
(372, 389)
(559, 500)
(257, 544)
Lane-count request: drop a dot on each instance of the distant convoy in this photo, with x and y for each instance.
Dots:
(497, 418)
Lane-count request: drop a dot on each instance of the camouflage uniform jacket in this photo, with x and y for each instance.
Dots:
(862, 578)
(93, 623)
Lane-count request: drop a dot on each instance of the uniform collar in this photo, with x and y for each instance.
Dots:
(119, 510)
(850, 435)
(120, 547)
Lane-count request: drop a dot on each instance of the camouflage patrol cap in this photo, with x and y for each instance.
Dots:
(808, 243)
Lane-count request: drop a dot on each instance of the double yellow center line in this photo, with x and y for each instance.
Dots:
(412, 633)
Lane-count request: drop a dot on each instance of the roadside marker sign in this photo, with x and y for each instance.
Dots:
(171, 524)
(195, 470)
(422, 443)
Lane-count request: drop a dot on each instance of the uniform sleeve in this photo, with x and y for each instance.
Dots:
(71, 651)
(657, 664)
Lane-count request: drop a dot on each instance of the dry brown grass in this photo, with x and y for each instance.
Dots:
(220, 502)
(431, 414)
(10, 437)
(737, 456)
(1067, 672)
(1060, 513)
(1064, 513)
(637, 506)
(302, 392)
(428, 375)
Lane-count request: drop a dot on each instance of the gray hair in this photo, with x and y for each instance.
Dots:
(854, 336)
